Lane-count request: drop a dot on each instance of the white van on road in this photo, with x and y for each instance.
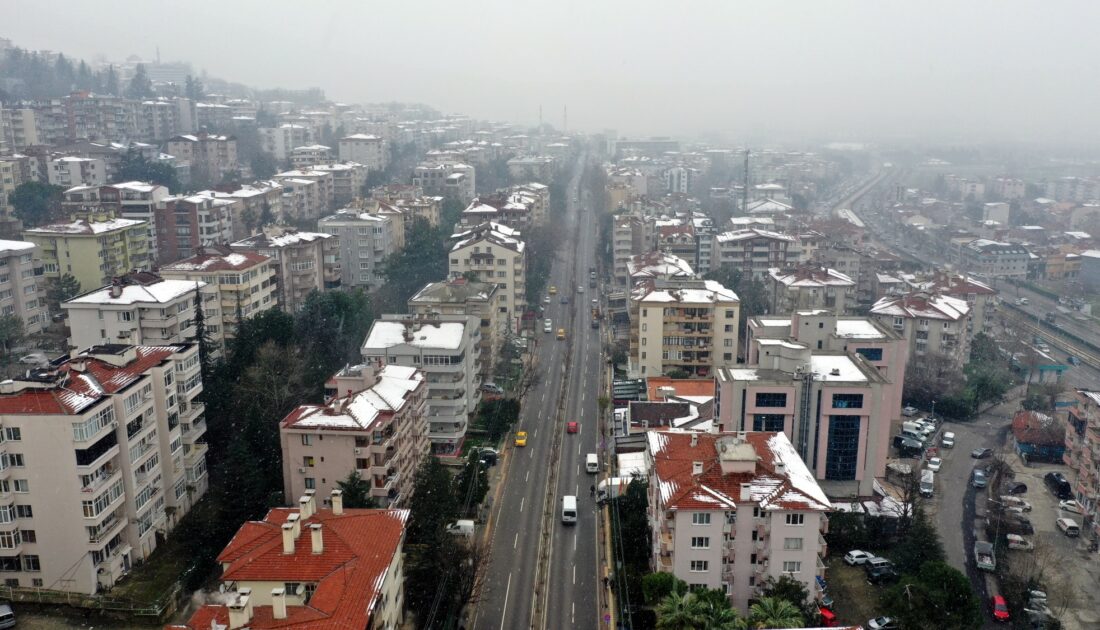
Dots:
(592, 463)
(569, 509)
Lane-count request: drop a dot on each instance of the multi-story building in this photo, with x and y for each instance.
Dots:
(427, 208)
(20, 292)
(185, 224)
(532, 167)
(728, 511)
(366, 239)
(303, 157)
(92, 250)
(245, 283)
(460, 296)
(993, 258)
(808, 287)
(931, 322)
(138, 308)
(129, 200)
(445, 347)
(347, 179)
(452, 180)
(303, 568)
(1082, 455)
(687, 326)
(658, 265)
(632, 236)
(319, 195)
(254, 201)
(211, 156)
(981, 297)
(494, 253)
(135, 465)
(378, 428)
(753, 251)
(364, 149)
(72, 171)
(18, 127)
(281, 141)
(303, 261)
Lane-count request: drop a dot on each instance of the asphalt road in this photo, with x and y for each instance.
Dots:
(509, 590)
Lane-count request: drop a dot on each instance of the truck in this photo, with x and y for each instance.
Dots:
(612, 488)
(596, 316)
(983, 556)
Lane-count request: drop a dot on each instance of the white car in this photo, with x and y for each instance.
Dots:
(909, 411)
(934, 464)
(857, 557)
(1070, 506)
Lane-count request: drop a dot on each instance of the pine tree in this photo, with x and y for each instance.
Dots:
(202, 337)
(140, 84)
(110, 83)
(193, 89)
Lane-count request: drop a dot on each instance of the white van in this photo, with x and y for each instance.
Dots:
(912, 426)
(463, 528)
(948, 439)
(592, 463)
(913, 435)
(927, 483)
(569, 509)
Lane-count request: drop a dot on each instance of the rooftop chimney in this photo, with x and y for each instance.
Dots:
(746, 492)
(337, 502)
(278, 603)
(780, 469)
(311, 495)
(295, 520)
(696, 468)
(318, 541)
(303, 507)
(240, 610)
(288, 539)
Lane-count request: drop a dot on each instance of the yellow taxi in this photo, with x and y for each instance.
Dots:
(561, 333)
(521, 438)
(553, 290)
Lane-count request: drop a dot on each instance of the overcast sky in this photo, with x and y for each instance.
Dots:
(961, 70)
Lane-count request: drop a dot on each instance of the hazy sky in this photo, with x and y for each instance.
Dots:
(778, 69)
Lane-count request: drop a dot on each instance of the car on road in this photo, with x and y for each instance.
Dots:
(521, 438)
(981, 453)
(855, 557)
(1058, 484)
(572, 427)
(561, 333)
(909, 411)
(1016, 487)
(1018, 542)
(564, 299)
(979, 480)
(882, 575)
(1070, 505)
(1074, 361)
(580, 288)
(548, 325)
(934, 464)
(546, 299)
(882, 623)
(1069, 527)
(948, 439)
(553, 290)
(999, 608)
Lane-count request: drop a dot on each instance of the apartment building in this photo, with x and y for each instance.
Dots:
(494, 253)
(303, 568)
(445, 348)
(185, 224)
(981, 297)
(497, 209)
(136, 463)
(210, 156)
(18, 127)
(1082, 455)
(129, 200)
(532, 167)
(631, 236)
(753, 251)
(321, 194)
(303, 157)
(20, 270)
(92, 250)
(427, 208)
(281, 141)
(245, 282)
(138, 308)
(377, 427)
(729, 510)
(451, 180)
(365, 149)
(931, 322)
(807, 287)
(303, 261)
(688, 326)
(365, 239)
(253, 202)
(72, 171)
(459, 296)
(993, 258)
(348, 179)
(658, 265)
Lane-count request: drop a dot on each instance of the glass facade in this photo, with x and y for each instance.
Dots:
(767, 422)
(842, 452)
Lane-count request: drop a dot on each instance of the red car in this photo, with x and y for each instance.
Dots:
(1000, 608)
(572, 427)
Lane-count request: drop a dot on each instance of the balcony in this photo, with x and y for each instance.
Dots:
(96, 463)
(100, 481)
(107, 529)
(197, 452)
(666, 542)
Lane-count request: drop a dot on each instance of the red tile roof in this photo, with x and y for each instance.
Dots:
(81, 382)
(1035, 427)
(682, 386)
(359, 546)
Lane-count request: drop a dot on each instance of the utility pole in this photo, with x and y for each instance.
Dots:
(745, 185)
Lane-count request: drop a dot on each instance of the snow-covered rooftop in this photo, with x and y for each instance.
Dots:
(439, 335)
(163, 292)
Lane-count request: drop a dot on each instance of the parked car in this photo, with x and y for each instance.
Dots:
(979, 479)
(1016, 487)
(999, 608)
(948, 439)
(572, 427)
(882, 623)
(1018, 542)
(1070, 505)
(855, 557)
(1058, 484)
(1015, 502)
(492, 388)
(882, 575)
(934, 464)
(7, 616)
(878, 563)
(981, 453)
(1069, 527)
(909, 411)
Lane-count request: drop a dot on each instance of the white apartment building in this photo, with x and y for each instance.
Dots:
(810, 287)
(210, 156)
(348, 179)
(366, 239)
(728, 511)
(245, 282)
(319, 196)
(364, 149)
(682, 325)
(20, 271)
(139, 308)
(452, 180)
(494, 253)
(754, 251)
(112, 435)
(929, 321)
(76, 171)
(281, 141)
(303, 261)
(460, 296)
(445, 348)
(377, 427)
(309, 155)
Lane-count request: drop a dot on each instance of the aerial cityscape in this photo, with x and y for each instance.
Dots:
(322, 316)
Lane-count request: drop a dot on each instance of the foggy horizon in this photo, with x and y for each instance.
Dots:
(850, 71)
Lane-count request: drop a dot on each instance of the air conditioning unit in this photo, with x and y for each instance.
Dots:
(114, 424)
(301, 470)
(358, 451)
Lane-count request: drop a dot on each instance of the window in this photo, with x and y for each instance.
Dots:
(15, 460)
(728, 328)
(848, 401)
(311, 483)
(698, 566)
(126, 316)
(871, 354)
(31, 563)
(792, 544)
(792, 566)
(700, 518)
(307, 439)
(24, 511)
(727, 343)
(729, 313)
(771, 399)
(796, 519)
(13, 434)
(768, 421)
(291, 587)
(29, 535)
(37, 582)
(700, 542)
(727, 356)
(12, 582)
(10, 540)
(842, 454)
(21, 486)
(308, 461)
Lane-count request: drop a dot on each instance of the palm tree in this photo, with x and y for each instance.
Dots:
(679, 611)
(722, 618)
(772, 612)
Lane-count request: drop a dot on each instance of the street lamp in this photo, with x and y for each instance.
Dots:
(933, 409)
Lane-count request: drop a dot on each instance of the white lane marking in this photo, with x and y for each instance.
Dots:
(521, 500)
(516, 541)
(574, 549)
(573, 613)
(526, 476)
(574, 571)
(577, 491)
(505, 611)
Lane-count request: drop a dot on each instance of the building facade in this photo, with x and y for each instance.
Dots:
(688, 326)
(364, 149)
(932, 323)
(460, 296)
(753, 251)
(809, 287)
(20, 292)
(366, 239)
(303, 261)
(1082, 455)
(92, 250)
(494, 253)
